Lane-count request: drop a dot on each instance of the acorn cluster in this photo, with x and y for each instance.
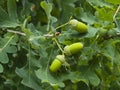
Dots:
(69, 49)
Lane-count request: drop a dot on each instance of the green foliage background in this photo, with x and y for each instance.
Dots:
(29, 43)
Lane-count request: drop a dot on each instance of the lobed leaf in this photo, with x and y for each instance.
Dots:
(113, 2)
(1, 68)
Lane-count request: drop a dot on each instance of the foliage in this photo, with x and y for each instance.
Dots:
(34, 32)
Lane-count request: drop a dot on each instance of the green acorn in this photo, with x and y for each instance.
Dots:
(78, 26)
(57, 63)
(73, 48)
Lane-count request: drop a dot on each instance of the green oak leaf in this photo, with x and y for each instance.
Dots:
(29, 78)
(47, 7)
(46, 77)
(113, 1)
(1, 68)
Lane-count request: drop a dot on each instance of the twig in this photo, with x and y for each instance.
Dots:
(16, 32)
(48, 35)
(116, 12)
(118, 34)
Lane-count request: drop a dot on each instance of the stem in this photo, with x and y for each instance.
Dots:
(29, 63)
(26, 21)
(116, 12)
(58, 45)
(62, 25)
(95, 39)
(67, 64)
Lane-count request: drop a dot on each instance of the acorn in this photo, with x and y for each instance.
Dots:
(57, 63)
(73, 48)
(78, 26)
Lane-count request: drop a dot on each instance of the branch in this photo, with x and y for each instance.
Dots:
(16, 32)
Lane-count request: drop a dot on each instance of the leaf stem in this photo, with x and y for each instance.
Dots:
(116, 12)
(58, 45)
(26, 21)
(62, 25)
(29, 63)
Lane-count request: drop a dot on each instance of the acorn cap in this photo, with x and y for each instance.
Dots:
(61, 58)
(73, 22)
(67, 50)
(78, 26)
